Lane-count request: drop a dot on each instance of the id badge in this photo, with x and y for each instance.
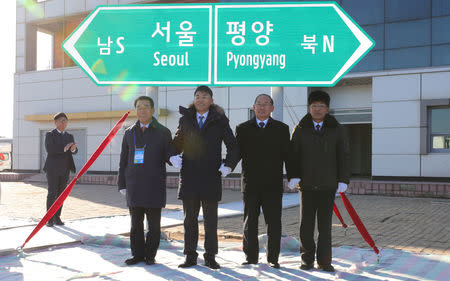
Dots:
(139, 155)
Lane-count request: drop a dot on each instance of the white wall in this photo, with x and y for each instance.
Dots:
(396, 125)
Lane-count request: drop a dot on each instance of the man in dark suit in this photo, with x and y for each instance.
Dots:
(321, 166)
(264, 147)
(202, 129)
(146, 147)
(60, 146)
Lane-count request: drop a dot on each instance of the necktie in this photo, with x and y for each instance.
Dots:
(261, 125)
(200, 122)
(143, 129)
(318, 128)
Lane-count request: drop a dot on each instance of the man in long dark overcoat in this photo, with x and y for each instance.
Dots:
(146, 147)
(201, 130)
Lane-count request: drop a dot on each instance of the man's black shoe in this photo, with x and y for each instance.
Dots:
(149, 261)
(249, 262)
(188, 263)
(134, 260)
(211, 263)
(58, 221)
(306, 266)
(50, 223)
(274, 265)
(327, 268)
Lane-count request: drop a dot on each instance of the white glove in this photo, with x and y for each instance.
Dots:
(176, 161)
(293, 183)
(123, 192)
(342, 187)
(224, 170)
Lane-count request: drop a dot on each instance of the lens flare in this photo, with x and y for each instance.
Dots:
(99, 67)
(125, 93)
(33, 8)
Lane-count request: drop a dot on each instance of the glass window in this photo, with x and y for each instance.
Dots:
(441, 30)
(251, 113)
(439, 129)
(407, 57)
(407, 9)
(44, 52)
(441, 7)
(441, 55)
(372, 61)
(408, 34)
(377, 34)
(365, 12)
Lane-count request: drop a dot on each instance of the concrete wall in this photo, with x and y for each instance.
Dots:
(396, 125)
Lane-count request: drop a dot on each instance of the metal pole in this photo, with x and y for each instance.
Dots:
(153, 93)
(277, 95)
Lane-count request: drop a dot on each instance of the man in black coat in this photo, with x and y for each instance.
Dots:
(146, 147)
(321, 165)
(264, 147)
(201, 130)
(60, 146)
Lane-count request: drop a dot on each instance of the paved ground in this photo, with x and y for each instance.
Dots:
(411, 224)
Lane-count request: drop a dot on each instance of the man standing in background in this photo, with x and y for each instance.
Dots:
(60, 146)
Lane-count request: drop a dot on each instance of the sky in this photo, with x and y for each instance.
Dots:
(7, 66)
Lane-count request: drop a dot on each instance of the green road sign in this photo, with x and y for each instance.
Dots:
(285, 44)
(278, 44)
(145, 44)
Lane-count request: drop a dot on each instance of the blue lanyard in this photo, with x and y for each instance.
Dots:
(134, 139)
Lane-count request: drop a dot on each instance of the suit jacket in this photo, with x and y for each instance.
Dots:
(263, 152)
(202, 153)
(145, 183)
(58, 161)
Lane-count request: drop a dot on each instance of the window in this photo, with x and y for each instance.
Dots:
(439, 128)
(407, 9)
(251, 113)
(44, 57)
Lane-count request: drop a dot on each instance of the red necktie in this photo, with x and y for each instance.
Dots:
(143, 129)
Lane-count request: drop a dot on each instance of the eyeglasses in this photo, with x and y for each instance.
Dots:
(263, 104)
(318, 106)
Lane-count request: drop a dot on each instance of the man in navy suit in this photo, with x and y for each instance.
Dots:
(60, 146)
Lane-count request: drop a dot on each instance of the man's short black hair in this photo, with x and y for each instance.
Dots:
(320, 96)
(204, 89)
(264, 95)
(59, 115)
(149, 99)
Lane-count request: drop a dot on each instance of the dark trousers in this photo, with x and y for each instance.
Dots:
(191, 209)
(316, 204)
(140, 246)
(271, 203)
(56, 185)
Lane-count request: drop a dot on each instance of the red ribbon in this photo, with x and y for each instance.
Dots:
(357, 221)
(54, 208)
(338, 214)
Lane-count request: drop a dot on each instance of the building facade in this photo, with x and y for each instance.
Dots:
(395, 101)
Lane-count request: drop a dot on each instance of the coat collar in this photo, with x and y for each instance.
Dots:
(328, 122)
(253, 122)
(215, 112)
(153, 124)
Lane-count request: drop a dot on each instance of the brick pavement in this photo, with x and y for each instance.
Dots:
(412, 224)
